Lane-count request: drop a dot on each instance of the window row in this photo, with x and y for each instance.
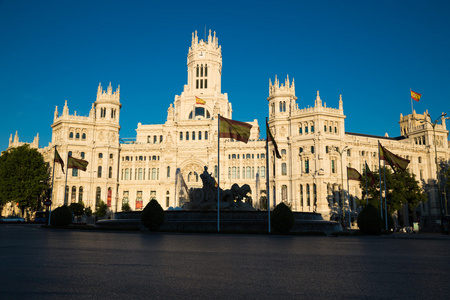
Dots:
(246, 156)
(247, 172)
(139, 199)
(306, 196)
(201, 84)
(77, 135)
(73, 194)
(140, 158)
(202, 71)
(155, 139)
(103, 112)
(140, 174)
(192, 135)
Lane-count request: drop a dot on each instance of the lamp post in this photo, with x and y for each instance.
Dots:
(342, 181)
(433, 125)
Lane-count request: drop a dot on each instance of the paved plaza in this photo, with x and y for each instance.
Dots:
(68, 264)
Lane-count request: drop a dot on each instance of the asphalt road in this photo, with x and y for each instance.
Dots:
(62, 264)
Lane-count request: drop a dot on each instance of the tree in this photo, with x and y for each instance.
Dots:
(101, 209)
(77, 209)
(153, 215)
(401, 188)
(24, 177)
(282, 218)
(126, 207)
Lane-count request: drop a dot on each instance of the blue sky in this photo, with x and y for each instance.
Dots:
(371, 52)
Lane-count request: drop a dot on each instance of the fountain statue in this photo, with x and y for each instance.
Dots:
(205, 198)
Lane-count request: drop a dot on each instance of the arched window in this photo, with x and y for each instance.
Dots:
(181, 136)
(206, 135)
(140, 174)
(263, 172)
(301, 195)
(168, 172)
(83, 136)
(187, 135)
(193, 135)
(110, 172)
(71, 135)
(308, 199)
(284, 192)
(127, 174)
(233, 172)
(283, 151)
(153, 173)
(99, 172)
(73, 194)
(80, 194)
(98, 195)
(283, 169)
(199, 135)
(77, 136)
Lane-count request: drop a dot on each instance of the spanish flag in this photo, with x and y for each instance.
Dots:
(76, 163)
(234, 129)
(415, 96)
(199, 101)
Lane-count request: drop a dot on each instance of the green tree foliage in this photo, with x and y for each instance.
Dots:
(153, 215)
(282, 218)
(126, 207)
(401, 188)
(88, 211)
(77, 209)
(61, 216)
(24, 177)
(101, 209)
(369, 220)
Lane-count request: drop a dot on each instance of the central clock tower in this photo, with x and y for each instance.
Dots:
(204, 66)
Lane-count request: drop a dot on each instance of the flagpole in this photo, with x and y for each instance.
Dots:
(65, 185)
(218, 172)
(51, 191)
(379, 175)
(385, 197)
(349, 208)
(365, 176)
(412, 109)
(267, 176)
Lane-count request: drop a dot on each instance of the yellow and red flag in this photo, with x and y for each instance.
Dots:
(415, 96)
(76, 163)
(199, 101)
(234, 129)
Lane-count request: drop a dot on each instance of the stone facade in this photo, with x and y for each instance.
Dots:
(313, 142)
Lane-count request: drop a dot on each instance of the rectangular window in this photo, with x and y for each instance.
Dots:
(139, 203)
(306, 166)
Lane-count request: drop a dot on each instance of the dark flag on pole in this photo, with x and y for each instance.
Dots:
(76, 163)
(271, 139)
(234, 129)
(59, 160)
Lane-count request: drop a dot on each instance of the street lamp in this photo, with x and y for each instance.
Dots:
(433, 125)
(342, 180)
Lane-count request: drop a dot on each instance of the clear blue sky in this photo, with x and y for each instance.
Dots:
(371, 52)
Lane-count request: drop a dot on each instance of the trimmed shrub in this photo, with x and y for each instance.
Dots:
(61, 216)
(101, 209)
(126, 207)
(369, 220)
(282, 218)
(153, 215)
(77, 209)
